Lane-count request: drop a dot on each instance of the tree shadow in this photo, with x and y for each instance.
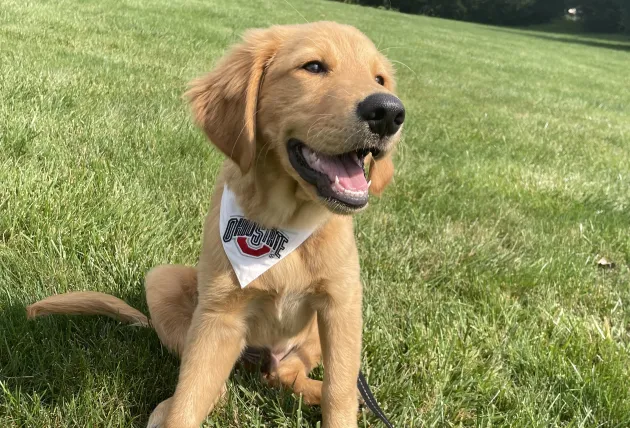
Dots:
(582, 39)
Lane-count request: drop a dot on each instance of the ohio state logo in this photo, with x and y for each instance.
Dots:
(254, 241)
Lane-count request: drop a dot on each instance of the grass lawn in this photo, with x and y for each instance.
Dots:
(484, 305)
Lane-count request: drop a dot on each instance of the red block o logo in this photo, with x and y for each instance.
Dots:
(254, 252)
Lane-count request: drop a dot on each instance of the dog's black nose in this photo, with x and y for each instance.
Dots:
(384, 113)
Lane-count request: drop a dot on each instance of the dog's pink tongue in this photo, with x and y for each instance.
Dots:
(350, 174)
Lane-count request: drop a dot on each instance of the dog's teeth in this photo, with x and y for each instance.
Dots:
(336, 179)
(354, 193)
(369, 183)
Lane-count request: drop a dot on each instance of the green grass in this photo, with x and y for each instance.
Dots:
(483, 302)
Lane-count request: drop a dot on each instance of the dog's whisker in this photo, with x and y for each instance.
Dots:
(315, 122)
(350, 136)
(405, 65)
(266, 153)
(319, 45)
(346, 91)
(260, 154)
(240, 133)
(334, 97)
(297, 11)
(393, 47)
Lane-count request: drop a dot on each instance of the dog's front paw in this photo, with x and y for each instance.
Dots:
(158, 416)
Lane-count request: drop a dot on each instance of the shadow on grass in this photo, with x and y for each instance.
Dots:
(576, 39)
(574, 28)
(56, 360)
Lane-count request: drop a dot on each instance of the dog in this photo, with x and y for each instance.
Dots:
(299, 112)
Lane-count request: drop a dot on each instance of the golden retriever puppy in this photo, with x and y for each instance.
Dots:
(298, 111)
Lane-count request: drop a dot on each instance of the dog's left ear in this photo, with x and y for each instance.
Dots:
(224, 102)
(381, 173)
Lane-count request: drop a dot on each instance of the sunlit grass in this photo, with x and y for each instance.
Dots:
(484, 305)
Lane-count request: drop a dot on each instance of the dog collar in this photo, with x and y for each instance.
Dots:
(252, 249)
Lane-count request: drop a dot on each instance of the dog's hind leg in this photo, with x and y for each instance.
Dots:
(172, 297)
(292, 370)
(292, 373)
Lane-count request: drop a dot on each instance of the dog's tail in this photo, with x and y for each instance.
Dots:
(88, 303)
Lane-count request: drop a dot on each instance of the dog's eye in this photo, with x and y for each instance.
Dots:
(380, 80)
(314, 67)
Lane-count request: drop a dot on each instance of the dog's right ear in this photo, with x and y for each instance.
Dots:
(224, 102)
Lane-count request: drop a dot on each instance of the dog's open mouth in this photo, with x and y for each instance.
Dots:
(338, 178)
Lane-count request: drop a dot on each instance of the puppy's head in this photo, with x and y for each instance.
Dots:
(318, 98)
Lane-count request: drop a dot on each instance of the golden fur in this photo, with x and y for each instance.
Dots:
(309, 305)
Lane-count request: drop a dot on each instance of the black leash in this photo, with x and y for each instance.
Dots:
(370, 401)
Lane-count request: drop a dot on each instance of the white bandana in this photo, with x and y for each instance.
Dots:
(252, 249)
